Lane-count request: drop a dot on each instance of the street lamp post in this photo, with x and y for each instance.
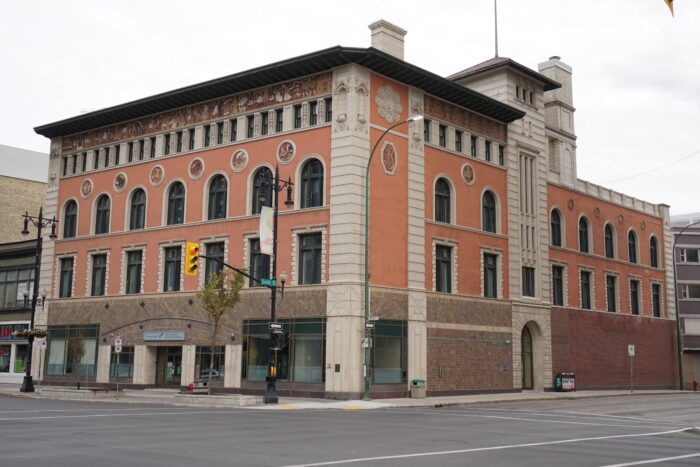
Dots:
(39, 222)
(367, 394)
(276, 185)
(681, 383)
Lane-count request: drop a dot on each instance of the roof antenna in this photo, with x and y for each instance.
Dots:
(495, 20)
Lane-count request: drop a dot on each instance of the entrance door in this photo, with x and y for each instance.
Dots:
(169, 366)
(526, 358)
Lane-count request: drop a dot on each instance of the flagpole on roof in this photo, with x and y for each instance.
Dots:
(495, 20)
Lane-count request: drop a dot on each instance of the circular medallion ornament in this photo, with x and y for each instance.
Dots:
(596, 212)
(196, 168)
(389, 104)
(468, 174)
(120, 182)
(621, 218)
(389, 158)
(239, 160)
(643, 225)
(86, 188)
(570, 204)
(156, 176)
(286, 151)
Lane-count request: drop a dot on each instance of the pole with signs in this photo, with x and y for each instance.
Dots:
(630, 352)
(118, 351)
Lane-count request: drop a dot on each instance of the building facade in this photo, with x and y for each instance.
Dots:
(488, 257)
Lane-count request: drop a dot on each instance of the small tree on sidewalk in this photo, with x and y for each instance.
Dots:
(220, 293)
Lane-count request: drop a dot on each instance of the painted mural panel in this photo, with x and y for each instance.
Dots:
(463, 118)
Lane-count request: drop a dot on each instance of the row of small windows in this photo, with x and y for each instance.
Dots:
(443, 207)
(310, 267)
(311, 195)
(611, 292)
(459, 136)
(212, 134)
(556, 234)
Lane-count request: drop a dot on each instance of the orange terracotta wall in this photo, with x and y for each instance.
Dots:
(314, 141)
(599, 213)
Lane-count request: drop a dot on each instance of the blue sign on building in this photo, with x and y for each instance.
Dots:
(164, 336)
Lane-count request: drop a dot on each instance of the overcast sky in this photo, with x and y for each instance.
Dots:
(636, 68)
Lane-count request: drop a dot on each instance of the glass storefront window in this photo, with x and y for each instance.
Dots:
(5, 354)
(203, 358)
(122, 364)
(72, 350)
(389, 352)
(21, 351)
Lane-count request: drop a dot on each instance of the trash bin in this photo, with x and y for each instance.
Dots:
(417, 388)
(565, 382)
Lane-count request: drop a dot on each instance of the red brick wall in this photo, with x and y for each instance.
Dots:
(594, 346)
(464, 361)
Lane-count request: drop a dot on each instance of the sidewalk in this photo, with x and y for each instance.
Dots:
(172, 397)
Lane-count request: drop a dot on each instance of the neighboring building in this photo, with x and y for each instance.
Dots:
(688, 285)
(493, 267)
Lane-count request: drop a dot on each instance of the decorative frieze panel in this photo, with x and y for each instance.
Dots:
(463, 118)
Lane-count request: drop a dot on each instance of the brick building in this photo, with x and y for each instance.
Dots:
(493, 267)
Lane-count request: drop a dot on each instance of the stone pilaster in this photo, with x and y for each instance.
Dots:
(188, 364)
(232, 370)
(104, 353)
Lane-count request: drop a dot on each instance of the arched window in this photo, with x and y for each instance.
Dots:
(442, 200)
(70, 219)
(488, 212)
(176, 204)
(632, 246)
(609, 241)
(583, 235)
(653, 253)
(312, 184)
(555, 227)
(218, 191)
(137, 211)
(261, 187)
(102, 215)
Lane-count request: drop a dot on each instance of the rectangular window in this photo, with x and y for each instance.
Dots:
(690, 291)
(74, 161)
(142, 149)
(689, 255)
(99, 269)
(153, 148)
(528, 281)
(501, 155)
(96, 159)
(389, 352)
(279, 120)
(634, 297)
(310, 258)
(122, 363)
(134, 260)
(72, 350)
(202, 360)
(178, 142)
(329, 109)
(656, 300)
(106, 157)
(426, 130)
(190, 139)
(220, 133)
(586, 290)
(490, 276)
(117, 153)
(297, 116)
(259, 263)
(85, 161)
(442, 131)
(250, 125)
(472, 148)
(313, 113)
(166, 144)
(443, 268)
(264, 123)
(66, 280)
(215, 251)
(517, 92)
(65, 166)
(12, 286)
(233, 127)
(487, 150)
(458, 141)
(130, 152)
(171, 272)
(611, 293)
(207, 136)
(557, 286)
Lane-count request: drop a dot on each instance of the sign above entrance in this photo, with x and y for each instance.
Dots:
(164, 336)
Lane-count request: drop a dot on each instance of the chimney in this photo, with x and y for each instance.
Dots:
(560, 72)
(388, 38)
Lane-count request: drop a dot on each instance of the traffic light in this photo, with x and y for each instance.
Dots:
(191, 259)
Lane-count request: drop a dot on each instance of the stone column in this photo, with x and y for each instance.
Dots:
(104, 352)
(188, 364)
(232, 368)
(145, 364)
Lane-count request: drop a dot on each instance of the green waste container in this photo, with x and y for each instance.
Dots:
(418, 388)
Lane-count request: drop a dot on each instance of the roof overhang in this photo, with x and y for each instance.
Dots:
(548, 83)
(316, 62)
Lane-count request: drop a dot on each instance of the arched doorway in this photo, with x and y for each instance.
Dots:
(526, 358)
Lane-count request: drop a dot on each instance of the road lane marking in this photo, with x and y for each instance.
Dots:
(182, 412)
(654, 461)
(10, 412)
(490, 448)
(579, 415)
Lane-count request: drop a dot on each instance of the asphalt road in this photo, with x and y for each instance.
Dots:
(591, 432)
